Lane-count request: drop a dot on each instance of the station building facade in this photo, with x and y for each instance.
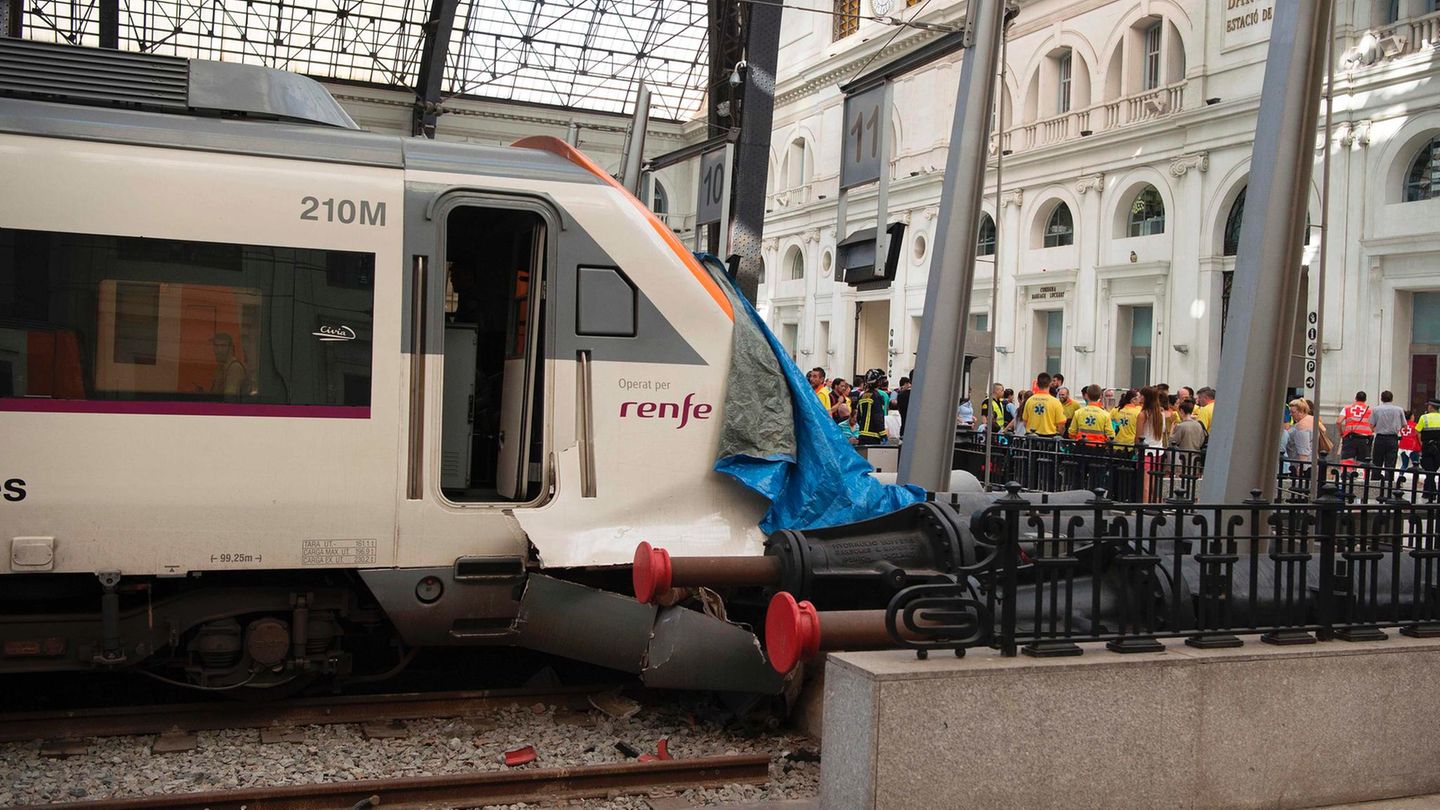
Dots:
(1126, 139)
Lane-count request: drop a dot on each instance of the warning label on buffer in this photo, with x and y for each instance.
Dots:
(337, 552)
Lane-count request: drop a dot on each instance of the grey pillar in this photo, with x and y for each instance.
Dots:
(109, 14)
(1245, 436)
(10, 18)
(752, 153)
(635, 146)
(929, 432)
(431, 75)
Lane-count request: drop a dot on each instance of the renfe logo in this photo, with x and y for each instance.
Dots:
(684, 411)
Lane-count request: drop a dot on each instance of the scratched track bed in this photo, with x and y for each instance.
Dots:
(564, 727)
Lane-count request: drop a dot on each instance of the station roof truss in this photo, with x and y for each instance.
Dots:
(582, 54)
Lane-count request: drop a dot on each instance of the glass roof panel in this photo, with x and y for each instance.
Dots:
(586, 54)
(582, 53)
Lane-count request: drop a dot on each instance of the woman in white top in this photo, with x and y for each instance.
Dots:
(1150, 435)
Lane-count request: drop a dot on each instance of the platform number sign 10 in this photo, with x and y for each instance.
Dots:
(712, 187)
(860, 161)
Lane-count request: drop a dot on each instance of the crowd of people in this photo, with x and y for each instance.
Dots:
(869, 411)
(1151, 417)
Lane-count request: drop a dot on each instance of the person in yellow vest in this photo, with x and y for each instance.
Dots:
(1091, 424)
(1070, 405)
(1093, 430)
(1043, 414)
(1126, 417)
(1356, 432)
(1205, 407)
(992, 410)
(1428, 426)
(817, 384)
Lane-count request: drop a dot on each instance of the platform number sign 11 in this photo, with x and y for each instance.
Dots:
(860, 160)
(712, 187)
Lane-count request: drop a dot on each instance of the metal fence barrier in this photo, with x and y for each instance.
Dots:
(1047, 576)
(1154, 475)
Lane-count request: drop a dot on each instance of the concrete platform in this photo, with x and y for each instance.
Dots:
(1258, 726)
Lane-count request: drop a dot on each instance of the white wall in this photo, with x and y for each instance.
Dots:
(1196, 153)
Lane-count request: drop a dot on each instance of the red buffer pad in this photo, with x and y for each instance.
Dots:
(651, 574)
(792, 632)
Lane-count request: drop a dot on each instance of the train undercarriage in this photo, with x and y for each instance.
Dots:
(271, 634)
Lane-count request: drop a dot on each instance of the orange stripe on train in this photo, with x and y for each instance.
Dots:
(552, 144)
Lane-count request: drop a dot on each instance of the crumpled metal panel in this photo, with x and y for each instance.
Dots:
(575, 621)
(693, 651)
(670, 648)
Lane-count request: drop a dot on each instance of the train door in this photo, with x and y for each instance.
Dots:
(493, 322)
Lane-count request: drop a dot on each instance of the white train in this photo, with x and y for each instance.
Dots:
(272, 387)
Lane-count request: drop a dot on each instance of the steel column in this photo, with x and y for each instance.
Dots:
(1244, 449)
(930, 428)
(635, 144)
(438, 27)
(10, 18)
(752, 154)
(109, 23)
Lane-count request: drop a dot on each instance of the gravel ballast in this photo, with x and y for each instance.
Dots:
(128, 766)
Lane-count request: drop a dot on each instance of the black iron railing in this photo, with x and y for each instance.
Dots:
(1357, 483)
(1047, 576)
(1155, 475)
(1044, 464)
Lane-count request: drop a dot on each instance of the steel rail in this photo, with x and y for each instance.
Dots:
(459, 790)
(128, 720)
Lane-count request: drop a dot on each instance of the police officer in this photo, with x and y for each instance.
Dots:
(1428, 426)
(1356, 432)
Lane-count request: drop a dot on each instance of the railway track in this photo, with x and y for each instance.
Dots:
(191, 717)
(460, 790)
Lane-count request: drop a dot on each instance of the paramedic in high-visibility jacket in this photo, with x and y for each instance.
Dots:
(1091, 425)
(1428, 426)
(1356, 432)
(1093, 431)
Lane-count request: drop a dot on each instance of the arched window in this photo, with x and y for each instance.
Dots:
(1423, 180)
(796, 172)
(795, 264)
(1060, 227)
(1064, 69)
(1150, 69)
(659, 199)
(1231, 244)
(985, 243)
(1147, 213)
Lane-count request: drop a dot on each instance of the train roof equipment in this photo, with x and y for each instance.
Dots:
(144, 81)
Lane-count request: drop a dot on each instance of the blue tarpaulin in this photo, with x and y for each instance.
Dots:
(779, 440)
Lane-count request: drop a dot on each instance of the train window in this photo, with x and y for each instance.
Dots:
(112, 323)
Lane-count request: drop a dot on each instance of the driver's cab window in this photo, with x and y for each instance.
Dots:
(490, 437)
